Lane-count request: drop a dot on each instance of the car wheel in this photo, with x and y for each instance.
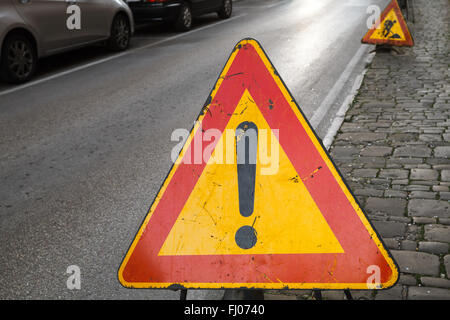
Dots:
(226, 10)
(120, 33)
(184, 19)
(18, 60)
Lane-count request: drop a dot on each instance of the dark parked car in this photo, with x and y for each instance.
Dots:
(31, 29)
(177, 12)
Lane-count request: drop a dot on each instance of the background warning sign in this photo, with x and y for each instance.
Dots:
(391, 30)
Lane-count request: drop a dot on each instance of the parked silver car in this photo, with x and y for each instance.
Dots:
(31, 29)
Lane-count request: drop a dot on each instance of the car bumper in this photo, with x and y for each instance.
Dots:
(153, 12)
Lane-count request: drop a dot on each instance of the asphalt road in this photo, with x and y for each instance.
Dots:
(86, 145)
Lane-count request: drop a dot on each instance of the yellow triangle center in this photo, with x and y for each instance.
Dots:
(285, 217)
(389, 28)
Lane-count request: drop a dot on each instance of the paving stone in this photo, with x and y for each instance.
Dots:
(372, 162)
(437, 232)
(391, 243)
(406, 161)
(424, 220)
(428, 293)
(379, 182)
(437, 161)
(446, 137)
(412, 232)
(400, 219)
(430, 137)
(413, 187)
(393, 206)
(389, 229)
(344, 152)
(332, 294)
(422, 195)
(402, 137)
(395, 293)
(444, 196)
(445, 175)
(378, 104)
(435, 282)
(424, 174)
(407, 279)
(433, 247)
(408, 245)
(440, 188)
(400, 182)
(302, 294)
(424, 182)
(268, 296)
(412, 151)
(395, 194)
(352, 127)
(374, 217)
(442, 152)
(418, 166)
(428, 208)
(432, 130)
(368, 192)
(394, 166)
(376, 151)
(365, 173)
(362, 294)
(394, 173)
(417, 262)
(362, 137)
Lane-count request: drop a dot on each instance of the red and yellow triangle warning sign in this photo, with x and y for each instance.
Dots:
(391, 29)
(263, 208)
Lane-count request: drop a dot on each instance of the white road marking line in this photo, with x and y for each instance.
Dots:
(90, 64)
(60, 74)
(268, 6)
(327, 103)
(274, 4)
(340, 115)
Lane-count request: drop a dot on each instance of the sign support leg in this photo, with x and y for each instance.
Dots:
(317, 294)
(243, 294)
(384, 48)
(183, 294)
(348, 294)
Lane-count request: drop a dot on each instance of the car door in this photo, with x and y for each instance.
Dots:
(210, 5)
(96, 19)
(48, 19)
(198, 6)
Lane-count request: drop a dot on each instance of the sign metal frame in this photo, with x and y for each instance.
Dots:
(143, 268)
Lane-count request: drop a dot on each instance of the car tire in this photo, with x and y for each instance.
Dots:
(120, 33)
(18, 60)
(226, 10)
(183, 21)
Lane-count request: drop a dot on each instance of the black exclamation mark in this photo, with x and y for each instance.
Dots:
(246, 152)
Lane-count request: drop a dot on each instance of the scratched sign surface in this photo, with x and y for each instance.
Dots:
(391, 30)
(254, 200)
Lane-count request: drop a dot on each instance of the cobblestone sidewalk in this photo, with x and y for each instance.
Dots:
(393, 149)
